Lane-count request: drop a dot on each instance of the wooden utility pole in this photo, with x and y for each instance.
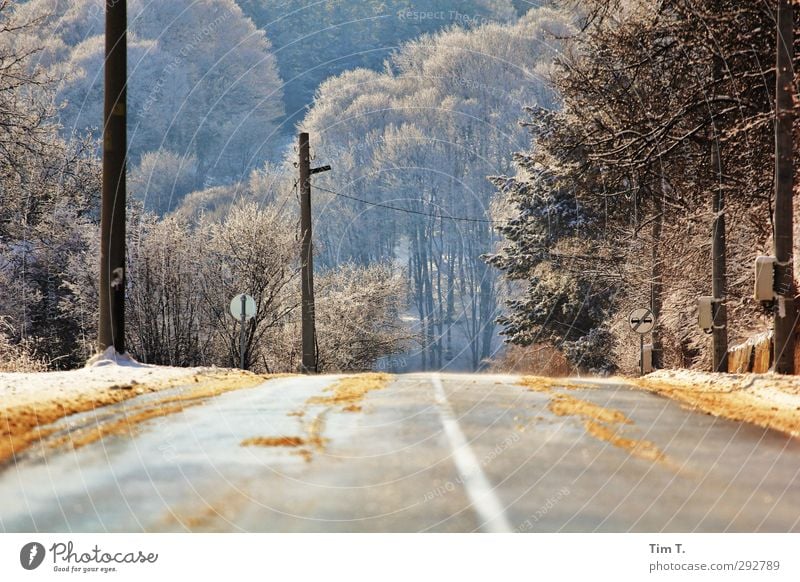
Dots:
(719, 331)
(657, 278)
(111, 331)
(309, 362)
(784, 273)
(719, 284)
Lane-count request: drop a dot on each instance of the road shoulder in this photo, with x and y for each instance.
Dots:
(767, 400)
(30, 402)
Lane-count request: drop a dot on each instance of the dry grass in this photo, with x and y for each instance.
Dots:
(638, 448)
(544, 384)
(539, 359)
(17, 357)
(127, 425)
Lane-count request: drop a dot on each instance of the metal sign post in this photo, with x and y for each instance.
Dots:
(243, 308)
(641, 355)
(241, 331)
(642, 321)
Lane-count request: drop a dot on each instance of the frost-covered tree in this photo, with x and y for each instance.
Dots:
(162, 179)
(178, 298)
(270, 184)
(254, 251)
(550, 254)
(48, 195)
(165, 319)
(358, 316)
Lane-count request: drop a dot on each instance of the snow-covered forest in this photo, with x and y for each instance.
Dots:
(501, 169)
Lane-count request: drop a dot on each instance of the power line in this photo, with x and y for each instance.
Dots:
(407, 210)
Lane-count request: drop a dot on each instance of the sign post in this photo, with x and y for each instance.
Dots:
(642, 321)
(243, 308)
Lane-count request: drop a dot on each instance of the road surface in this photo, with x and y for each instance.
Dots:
(427, 452)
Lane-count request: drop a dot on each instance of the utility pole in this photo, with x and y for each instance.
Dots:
(309, 362)
(657, 278)
(784, 273)
(719, 330)
(111, 331)
(719, 283)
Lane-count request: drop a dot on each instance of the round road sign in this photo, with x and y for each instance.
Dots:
(249, 307)
(642, 320)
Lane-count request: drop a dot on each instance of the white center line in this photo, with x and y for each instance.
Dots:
(479, 490)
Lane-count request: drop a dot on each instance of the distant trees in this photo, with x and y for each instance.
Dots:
(178, 299)
(162, 179)
(203, 81)
(422, 137)
(649, 91)
(315, 41)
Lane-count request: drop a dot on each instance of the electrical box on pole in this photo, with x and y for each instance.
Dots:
(765, 279)
(705, 312)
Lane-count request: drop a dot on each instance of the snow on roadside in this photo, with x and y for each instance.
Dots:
(31, 402)
(768, 400)
(103, 372)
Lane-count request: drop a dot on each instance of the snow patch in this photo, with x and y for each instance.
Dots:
(111, 357)
(769, 400)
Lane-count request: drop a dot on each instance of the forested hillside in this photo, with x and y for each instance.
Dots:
(177, 298)
(316, 40)
(204, 93)
(217, 86)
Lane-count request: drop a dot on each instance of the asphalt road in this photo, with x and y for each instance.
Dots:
(426, 453)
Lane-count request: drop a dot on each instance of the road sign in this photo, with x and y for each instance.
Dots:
(249, 307)
(642, 320)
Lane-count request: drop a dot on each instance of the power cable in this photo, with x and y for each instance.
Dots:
(407, 210)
